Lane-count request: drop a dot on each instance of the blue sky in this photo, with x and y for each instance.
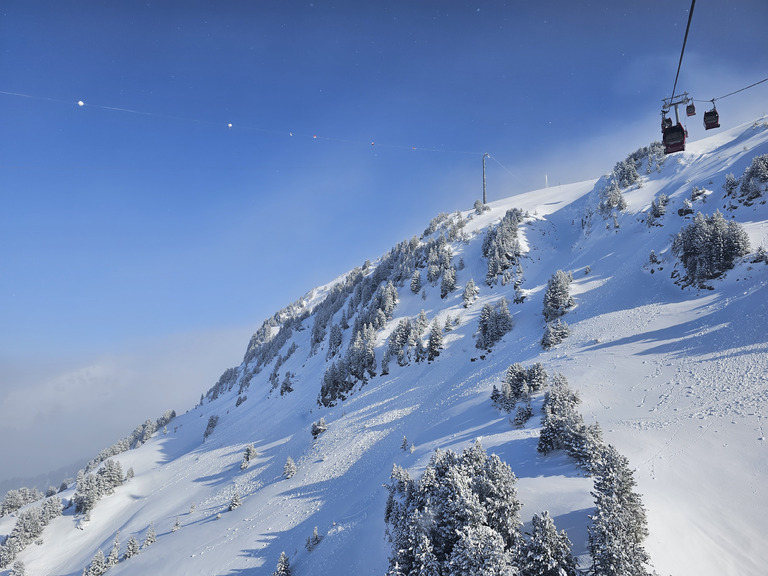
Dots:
(143, 239)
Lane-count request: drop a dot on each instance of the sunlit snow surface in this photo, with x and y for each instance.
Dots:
(677, 378)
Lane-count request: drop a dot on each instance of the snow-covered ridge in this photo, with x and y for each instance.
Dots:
(675, 377)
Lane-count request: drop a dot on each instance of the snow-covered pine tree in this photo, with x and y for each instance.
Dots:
(98, 566)
(555, 333)
(213, 420)
(114, 553)
(435, 343)
(18, 569)
(547, 552)
(494, 322)
(448, 283)
(319, 427)
(536, 377)
(87, 493)
(290, 468)
(334, 341)
(235, 502)
(619, 524)
(470, 293)
(502, 318)
(150, 537)
(313, 541)
(754, 180)
(283, 566)
(415, 341)
(111, 476)
(611, 199)
(287, 386)
(709, 246)
(561, 422)
(385, 359)
(479, 551)
(131, 548)
(52, 508)
(249, 454)
(416, 281)
(557, 299)
(455, 495)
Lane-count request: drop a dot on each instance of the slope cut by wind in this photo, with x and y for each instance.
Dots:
(675, 374)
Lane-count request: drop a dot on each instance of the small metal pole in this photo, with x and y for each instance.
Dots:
(484, 156)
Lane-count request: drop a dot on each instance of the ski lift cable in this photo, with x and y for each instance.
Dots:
(685, 40)
(246, 127)
(734, 92)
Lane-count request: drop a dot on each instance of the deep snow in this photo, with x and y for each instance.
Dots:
(677, 378)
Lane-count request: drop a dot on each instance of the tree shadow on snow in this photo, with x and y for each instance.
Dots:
(223, 477)
(695, 337)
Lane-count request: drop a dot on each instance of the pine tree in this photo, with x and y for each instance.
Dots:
(151, 537)
(334, 341)
(416, 281)
(554, 333)
(132, 548)
(480, 552)
(385, 358)
(415, 339)
(98, 565)
(461, 517)
(502, 318)
(547, 553)
(493, 323)
(18, 569)
(484, 326)
(290, 468)
(448, 283)
(435, 343)
(213, 420)
(87, 493)
(319, 427)
(249, 454)
(619, 524)
(286, 387)
(283, 566)
(709, 246)
(313, 541)
(517, 378)
(557, 300)
(114, 554)
(235, 502)
(470, 293)
(536, 377)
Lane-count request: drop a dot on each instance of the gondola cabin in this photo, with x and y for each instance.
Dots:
(674, 139)
(711, 119)
(690, 110)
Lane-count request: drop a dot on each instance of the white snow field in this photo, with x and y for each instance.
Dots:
(676, 377)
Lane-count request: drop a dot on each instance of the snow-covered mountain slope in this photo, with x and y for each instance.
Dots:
(676, 377)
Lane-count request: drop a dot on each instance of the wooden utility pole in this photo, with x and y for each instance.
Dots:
(484, 156)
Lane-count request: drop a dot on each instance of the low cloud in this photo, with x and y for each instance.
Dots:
(60, 412)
